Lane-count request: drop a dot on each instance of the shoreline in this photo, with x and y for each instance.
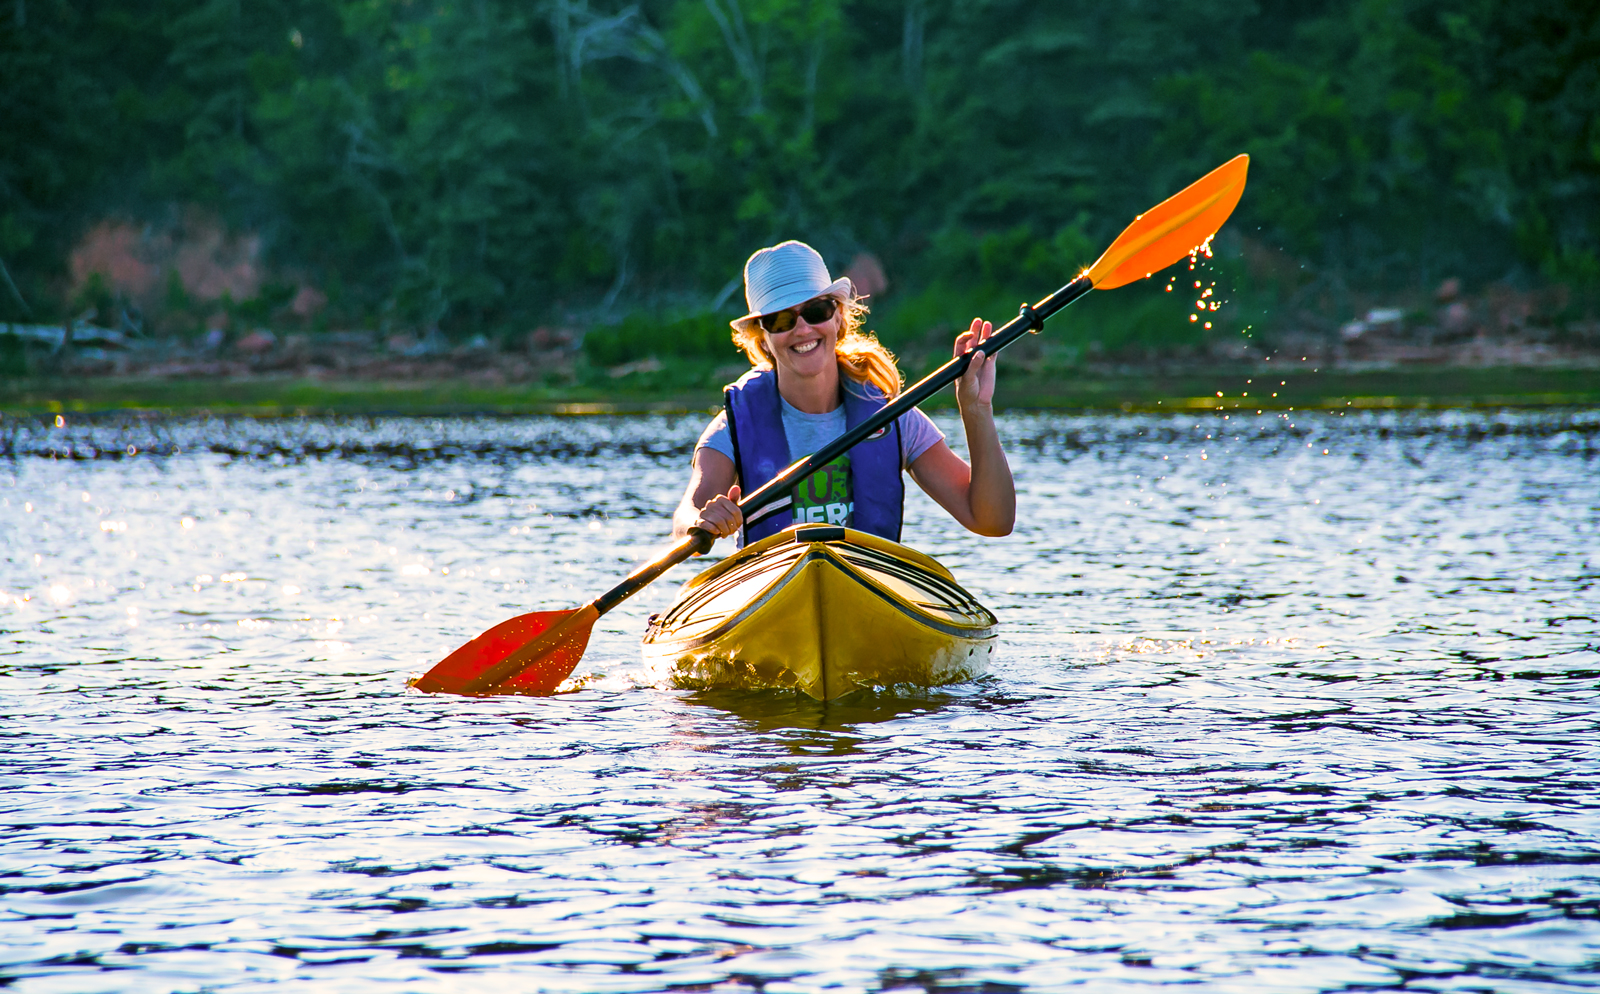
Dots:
(1127, 389)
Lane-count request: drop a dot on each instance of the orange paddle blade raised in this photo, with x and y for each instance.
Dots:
(529, 654)
(1173, 228)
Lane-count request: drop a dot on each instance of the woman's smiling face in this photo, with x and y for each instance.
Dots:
(805, 350)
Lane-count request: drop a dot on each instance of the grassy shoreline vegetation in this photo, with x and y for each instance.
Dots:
(1215, 334)
(1265, 386)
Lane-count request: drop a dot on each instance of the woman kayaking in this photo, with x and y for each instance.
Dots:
(815, 375)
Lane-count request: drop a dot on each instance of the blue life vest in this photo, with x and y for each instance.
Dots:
(761, 452)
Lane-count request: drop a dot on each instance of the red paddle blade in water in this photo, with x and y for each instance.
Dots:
(529, 654)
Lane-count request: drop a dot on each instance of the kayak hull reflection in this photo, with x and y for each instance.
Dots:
(825, 611)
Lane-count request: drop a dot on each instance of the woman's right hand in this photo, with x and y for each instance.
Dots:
(720, 516)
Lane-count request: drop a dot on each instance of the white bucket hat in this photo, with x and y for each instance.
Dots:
(783, 276)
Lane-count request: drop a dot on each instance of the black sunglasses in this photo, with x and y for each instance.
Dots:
(814, 311)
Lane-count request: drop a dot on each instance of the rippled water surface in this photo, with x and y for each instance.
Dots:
(1300, 703)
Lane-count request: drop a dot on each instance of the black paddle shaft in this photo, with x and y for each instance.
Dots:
(1031, 318)
(697, 542)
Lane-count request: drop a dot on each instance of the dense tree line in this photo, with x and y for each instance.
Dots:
(485, 165)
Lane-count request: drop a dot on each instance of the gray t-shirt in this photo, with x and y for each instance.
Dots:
(807, 433)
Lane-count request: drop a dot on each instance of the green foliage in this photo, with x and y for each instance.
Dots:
(1141, 316)
(987, 276)
(645, 335)
(1017, 255)
(260, 308)
(95, 296)
(1400, 142)
(177, 298)
(488, 166)
(13, 357)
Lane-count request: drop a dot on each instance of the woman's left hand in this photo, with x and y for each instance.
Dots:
(982, 496)
(976, 385)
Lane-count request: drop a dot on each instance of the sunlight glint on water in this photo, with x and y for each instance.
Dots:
(1264, 719)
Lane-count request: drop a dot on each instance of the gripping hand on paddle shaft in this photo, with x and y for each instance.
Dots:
(710, 503)
(980, 494)
(976, 385)
(720, 516)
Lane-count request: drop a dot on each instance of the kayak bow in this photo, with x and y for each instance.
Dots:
(823, 610)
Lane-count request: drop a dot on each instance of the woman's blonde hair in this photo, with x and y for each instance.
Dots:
(861, 356)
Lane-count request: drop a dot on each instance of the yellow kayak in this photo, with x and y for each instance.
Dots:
(824, 610)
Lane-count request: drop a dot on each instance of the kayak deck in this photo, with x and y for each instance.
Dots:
(823, 610)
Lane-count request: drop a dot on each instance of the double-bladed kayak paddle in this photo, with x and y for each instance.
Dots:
(533, 653)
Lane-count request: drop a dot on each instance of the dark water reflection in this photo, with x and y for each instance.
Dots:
(1265, 718)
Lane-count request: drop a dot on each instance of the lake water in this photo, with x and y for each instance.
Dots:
(1289, 702)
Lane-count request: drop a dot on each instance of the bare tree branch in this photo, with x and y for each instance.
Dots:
(10, 283)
